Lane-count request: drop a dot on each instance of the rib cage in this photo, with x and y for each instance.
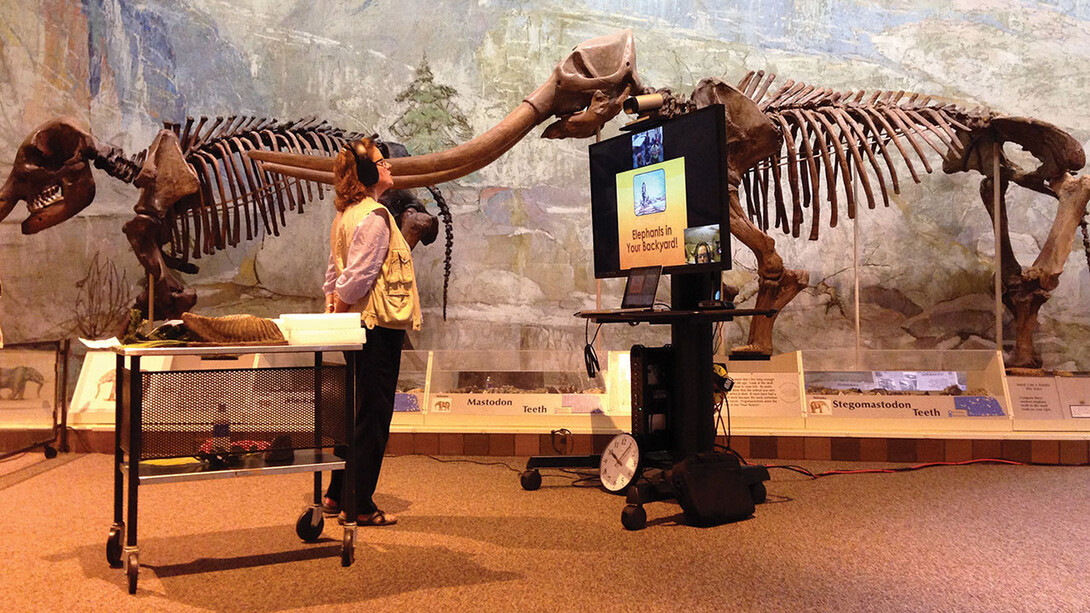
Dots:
(829, 137)
(235, 193)
(237, 199)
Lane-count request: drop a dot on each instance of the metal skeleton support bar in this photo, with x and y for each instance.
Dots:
(996, 191)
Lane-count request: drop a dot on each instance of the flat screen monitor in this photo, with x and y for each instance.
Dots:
(659, 197)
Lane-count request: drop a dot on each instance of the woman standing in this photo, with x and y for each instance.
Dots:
(370, 272)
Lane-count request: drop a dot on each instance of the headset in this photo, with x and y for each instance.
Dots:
(366, 169)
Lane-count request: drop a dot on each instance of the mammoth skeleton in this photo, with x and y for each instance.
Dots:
(795, 148)
(783, 143)
(198, 192)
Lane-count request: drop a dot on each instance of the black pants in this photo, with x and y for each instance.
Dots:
(376, 383)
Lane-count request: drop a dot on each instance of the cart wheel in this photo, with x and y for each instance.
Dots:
(530, 479)
(50, 452)
(348, 547)
(758, 492)
(634, 517)
(307, 528)
(132, 569)
(113, 547)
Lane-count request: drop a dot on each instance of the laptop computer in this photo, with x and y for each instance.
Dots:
(639, 292)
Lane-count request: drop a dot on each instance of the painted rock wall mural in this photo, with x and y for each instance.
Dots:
(522, 256)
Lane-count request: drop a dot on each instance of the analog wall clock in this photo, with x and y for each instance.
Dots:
(620, 465)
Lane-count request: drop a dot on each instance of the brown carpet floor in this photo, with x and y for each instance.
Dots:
(973, 538)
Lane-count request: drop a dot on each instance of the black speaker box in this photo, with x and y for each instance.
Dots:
(712, 489)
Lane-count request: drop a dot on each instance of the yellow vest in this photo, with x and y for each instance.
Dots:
(393, 302)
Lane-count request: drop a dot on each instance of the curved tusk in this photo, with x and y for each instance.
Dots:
(298, 160)
(306, 174)
(501, 137)
(516, 125)
(320, 168)
(406, 181)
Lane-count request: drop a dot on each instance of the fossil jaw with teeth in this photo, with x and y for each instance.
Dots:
(48, 196)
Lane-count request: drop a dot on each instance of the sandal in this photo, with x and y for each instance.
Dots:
(377, 518)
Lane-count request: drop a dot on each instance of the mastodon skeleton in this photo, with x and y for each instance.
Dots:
(201, 187)
(199, 192)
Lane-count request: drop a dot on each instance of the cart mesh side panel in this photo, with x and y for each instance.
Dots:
(267, 409)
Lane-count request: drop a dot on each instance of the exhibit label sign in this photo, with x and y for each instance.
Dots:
(1075, 396)
(1051, 398)
(1034, 398)
(765, 394)
(408, 402)
(517, 404)
(903, 406)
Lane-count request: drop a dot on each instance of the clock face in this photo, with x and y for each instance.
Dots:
(620, 463)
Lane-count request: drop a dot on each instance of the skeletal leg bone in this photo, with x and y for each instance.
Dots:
(172, 298)
(1025, 291)
(1073, 194)
(778, 286)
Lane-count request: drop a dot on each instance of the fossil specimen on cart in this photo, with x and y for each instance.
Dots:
(798, 151)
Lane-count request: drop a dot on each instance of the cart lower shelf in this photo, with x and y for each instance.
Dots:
(173, 470)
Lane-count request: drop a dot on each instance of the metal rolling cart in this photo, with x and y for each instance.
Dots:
(165, 417)
(688, 392)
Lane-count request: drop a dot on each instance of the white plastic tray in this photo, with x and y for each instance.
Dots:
(319, 337)
(320, 321)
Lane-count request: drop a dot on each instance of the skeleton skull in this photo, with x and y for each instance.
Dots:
(587, 88)
(52, 173)
(414, 221)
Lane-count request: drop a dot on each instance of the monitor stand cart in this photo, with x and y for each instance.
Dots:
(692, 411)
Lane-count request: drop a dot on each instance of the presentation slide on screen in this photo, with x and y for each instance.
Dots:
(652, 215)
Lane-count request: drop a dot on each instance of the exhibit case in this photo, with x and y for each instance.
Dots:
(900, 393)
(512, 391)
(874, 392)
(905, 391)
(412, 389)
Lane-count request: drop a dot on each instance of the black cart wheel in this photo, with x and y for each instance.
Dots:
(50, 452)
(310, 524)
(132, 569)
(113, 547)
(758, 492)
(347, 557)
(348, 548)
(634, 517)
(530, 479)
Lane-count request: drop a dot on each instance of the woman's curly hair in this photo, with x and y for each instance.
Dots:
(347, 189)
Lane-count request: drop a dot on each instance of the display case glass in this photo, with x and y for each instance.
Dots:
(906, 390)
(514, 389)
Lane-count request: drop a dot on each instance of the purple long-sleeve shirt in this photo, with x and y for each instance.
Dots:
(366, 253)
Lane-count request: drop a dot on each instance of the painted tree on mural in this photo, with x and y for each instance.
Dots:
(432, 122)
